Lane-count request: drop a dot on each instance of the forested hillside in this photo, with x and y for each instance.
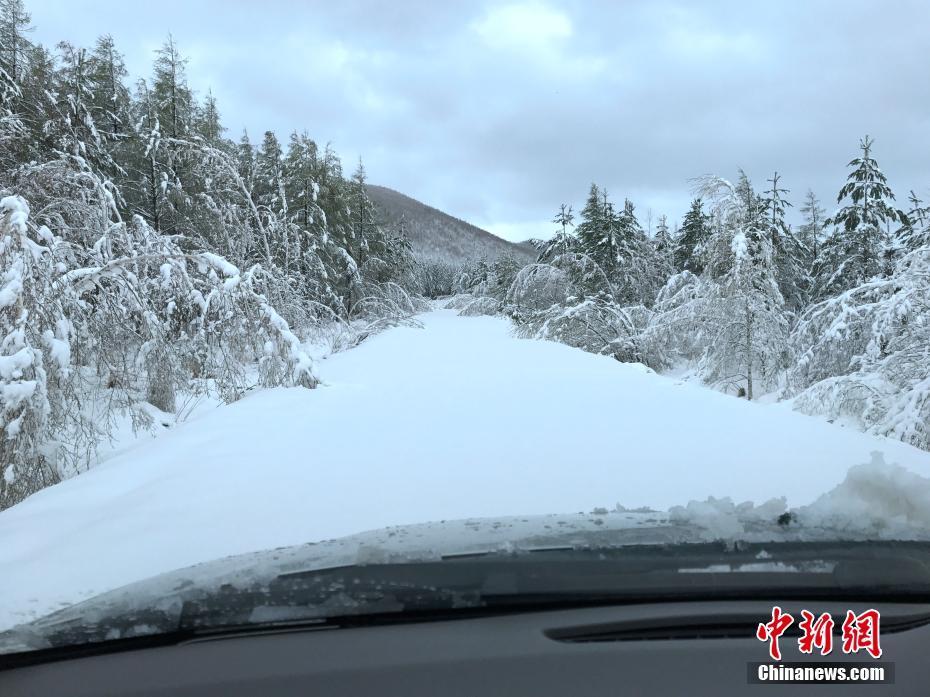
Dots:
(437, 236)
(145, 254)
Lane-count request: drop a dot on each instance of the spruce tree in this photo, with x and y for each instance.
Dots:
(790, 255)
(916, 232)
(630, 232)
(245, 161)
(300, 170)
(664, 245)
(694, 232)
(269, 174)
(593, 223)
(365, 230)
(856, 249)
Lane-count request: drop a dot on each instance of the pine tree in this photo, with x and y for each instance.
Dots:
(789, 253)
(365, 231)
(694, 233)
(592, 228)
(641, 270)
(662, 240)
(916, 232)
(269, 175)
(301, 166)
(564, 218)
(606, 251)
(21, 116)
(601, 230)
(856, 249)
(150, 175)
(664, 245)
(630, 232)
(245, 160)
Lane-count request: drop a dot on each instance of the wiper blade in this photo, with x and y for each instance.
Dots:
(491, 583)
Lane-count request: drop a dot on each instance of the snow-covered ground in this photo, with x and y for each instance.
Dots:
(454, 420)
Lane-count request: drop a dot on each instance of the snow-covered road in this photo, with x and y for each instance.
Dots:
(454, 420)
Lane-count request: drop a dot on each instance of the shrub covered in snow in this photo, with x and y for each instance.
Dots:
(33, 343)
(866, 354)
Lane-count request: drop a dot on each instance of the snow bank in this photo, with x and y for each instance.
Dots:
(876, 500)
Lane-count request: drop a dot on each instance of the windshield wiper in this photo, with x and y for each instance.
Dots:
(494, 583)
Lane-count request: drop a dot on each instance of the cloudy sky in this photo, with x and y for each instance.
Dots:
(497, 112)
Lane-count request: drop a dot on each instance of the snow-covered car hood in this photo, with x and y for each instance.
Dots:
(875, 502)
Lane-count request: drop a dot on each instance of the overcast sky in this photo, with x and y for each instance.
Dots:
(498, 112)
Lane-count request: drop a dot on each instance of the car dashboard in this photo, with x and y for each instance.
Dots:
(692, 648)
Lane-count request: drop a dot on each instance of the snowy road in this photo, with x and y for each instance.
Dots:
(455, 420)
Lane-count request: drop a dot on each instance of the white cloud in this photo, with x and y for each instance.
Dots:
(523, 26)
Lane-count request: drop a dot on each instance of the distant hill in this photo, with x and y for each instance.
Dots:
(437, 235)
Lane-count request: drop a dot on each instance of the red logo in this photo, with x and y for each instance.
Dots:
(816, 633)
(770, 631)
(859, 632)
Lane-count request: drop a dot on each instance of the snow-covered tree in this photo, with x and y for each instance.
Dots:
(14, 24)
(731, 321)
(207, 123)
(856, 249)
(30, 329)
(571, 300)
(689, 245)
(915, 233)
(640, 271)
(597, 230)
(790, 255)
(564, 241)
(173, 99)
(663, 241)
(865, 353)
(111, 99)
(159, 259)
(811, 230)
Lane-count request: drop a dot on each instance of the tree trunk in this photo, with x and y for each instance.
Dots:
(748, 350)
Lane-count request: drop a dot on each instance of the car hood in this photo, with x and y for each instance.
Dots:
(864, 507)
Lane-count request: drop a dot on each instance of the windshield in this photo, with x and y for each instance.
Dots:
(340, 310)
